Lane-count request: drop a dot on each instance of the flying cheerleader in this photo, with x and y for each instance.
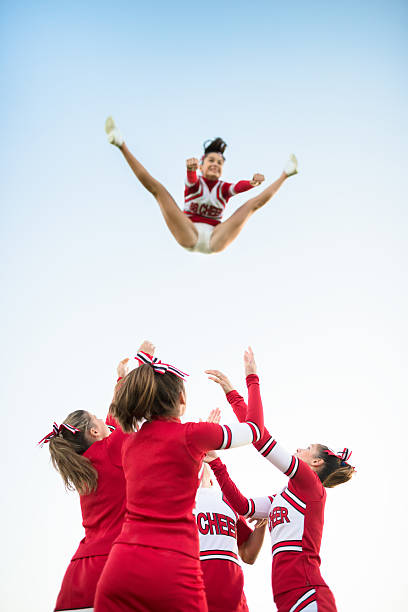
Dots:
(199, 227)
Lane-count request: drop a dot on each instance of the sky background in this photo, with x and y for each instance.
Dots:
(316, 282)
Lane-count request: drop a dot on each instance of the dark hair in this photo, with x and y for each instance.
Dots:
(145, 394)
(334, 471)
(214, 146)
(66, 451)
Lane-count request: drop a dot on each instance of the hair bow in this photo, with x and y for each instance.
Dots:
(57, 430)
(343, 455)
(158, 366)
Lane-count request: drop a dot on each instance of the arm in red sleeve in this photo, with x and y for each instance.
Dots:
(240, 187)
(192, 178)
(255, 409)
(202, 437)
(238, 405)
(258, 508)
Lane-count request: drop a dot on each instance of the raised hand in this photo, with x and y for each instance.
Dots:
(214, 416)
(257, 179)
(249, 362)
(192, 164)
(123, 368)
(221, 379)
(147, 347)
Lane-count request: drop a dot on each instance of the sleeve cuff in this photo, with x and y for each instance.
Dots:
(231, 395)
(252, 378)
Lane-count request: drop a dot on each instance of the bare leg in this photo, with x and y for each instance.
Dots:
(183, 230)
(226, 232)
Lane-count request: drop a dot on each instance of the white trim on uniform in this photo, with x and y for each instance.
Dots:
(285, 548)
(295, 498)
(309, 607)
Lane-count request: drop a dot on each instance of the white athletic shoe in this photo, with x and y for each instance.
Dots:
(114, 136)
(291, 166)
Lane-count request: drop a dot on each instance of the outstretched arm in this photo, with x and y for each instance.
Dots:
(247, 507)
(207, 436)
(249, 550)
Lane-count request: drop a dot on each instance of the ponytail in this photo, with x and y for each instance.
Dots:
(334, 470)
(146, 394)
(214, 146)
(67, 450)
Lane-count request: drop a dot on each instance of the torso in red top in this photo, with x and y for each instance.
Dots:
(205, 200)
(295, 521)
(103, 511)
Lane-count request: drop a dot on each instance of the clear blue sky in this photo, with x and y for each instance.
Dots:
(316, 282)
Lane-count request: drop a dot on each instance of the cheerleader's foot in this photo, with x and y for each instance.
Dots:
(291, 166)
(114, 136)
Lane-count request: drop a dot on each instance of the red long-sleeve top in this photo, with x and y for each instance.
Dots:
(161, 464)
(104, 509)
(295, 514)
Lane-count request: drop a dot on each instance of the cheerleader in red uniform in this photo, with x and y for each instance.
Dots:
(154, 565)
(199, 227)
(295, 514)
(86, 451)
(224, 537)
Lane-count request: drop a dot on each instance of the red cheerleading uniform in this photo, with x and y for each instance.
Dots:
(221, 531)
(205, 199)
(154, 563)
(102, 514)
(295, 519)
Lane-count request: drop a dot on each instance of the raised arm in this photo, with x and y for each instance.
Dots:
(247, 507)
(267, 445)
(241, 186)
(208, 436)
(192, 165)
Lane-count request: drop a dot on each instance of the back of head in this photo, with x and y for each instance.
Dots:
(334, 471)
(214, 146)
(146, 394)
(67, 450)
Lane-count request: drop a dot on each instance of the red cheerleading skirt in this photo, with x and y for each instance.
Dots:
(308, 599)
(145, 579)
(79, 584)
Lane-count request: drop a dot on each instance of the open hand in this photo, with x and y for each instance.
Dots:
(192, 164)
(257, 179)
(221, 379)
(147, 347)
(249, 362)
(214, 416)
(123, 368)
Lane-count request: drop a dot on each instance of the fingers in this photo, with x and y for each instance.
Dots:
(147, 347)
(214, 416)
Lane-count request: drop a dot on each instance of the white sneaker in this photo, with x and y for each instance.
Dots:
(291, 166)
(114, 136)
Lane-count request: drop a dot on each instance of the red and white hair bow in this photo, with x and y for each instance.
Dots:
(159, 367)
(56, 430)
(343, 455)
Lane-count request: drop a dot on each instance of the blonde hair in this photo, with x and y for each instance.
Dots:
(67, 450)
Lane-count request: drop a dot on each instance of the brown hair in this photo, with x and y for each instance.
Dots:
(66, 451)
(217, 145)
(334, 471)
(145, 394)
